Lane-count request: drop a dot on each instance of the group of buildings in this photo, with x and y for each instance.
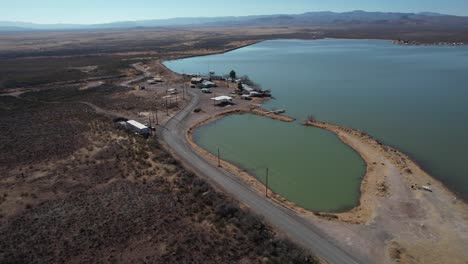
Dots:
(200, 82)
(244, 90)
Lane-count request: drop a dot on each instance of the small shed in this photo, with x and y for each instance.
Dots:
(247, 88)
(196, 80)
(208, 84)
(138, 127)
(255, 94)
(222, 99)
(246, 97)
(155, 80)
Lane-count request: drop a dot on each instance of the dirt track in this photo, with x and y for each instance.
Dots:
(393, 222)
(293, 225)
(395, 213)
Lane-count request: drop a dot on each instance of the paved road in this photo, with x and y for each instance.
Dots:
(294, 226)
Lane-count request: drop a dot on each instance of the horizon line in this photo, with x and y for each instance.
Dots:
(233, 16)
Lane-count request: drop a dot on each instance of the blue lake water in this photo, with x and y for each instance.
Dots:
(412, 97)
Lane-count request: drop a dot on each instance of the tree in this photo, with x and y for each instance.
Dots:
(232, 74)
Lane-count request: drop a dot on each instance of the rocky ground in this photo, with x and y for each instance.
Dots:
(397, 219)
(75, 188)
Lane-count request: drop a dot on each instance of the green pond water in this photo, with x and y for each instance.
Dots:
(309, 166)
(414, 98)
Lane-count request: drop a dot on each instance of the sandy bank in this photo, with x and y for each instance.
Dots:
(241, 173)
(417, 225)
(396, 219)
(240, 111)
(207, 52)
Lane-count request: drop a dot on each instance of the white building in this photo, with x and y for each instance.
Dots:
(196, 80)
(208, 84)
(138, 127)
(247, 88)
(222, 99)
(154, 80)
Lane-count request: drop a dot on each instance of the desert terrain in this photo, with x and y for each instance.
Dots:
(76, 188)
(404, 215)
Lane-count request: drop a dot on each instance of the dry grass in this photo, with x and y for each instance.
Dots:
(78, 190)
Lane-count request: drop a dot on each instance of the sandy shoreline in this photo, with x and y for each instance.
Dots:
(262, 112)
(371, 185)
(427, 226)
(359, 214)
(202, 53)
(396, 220)
(236, 170)
(414, 173)
(392, 202)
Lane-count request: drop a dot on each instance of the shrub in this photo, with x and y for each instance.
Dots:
(226, 211)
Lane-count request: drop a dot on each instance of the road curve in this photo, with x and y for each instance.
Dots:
(138, 67)
(298, 229)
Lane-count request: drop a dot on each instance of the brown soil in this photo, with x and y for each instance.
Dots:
(395, 221)
(411, 224)
(78, 190)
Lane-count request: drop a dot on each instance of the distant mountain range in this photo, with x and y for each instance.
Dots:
(306, 19)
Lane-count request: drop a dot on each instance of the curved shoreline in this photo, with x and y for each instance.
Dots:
(260, 186)
(396, 218)
(183, 57)
(393, 221)
(348, 215)
(372, 186)
(255, 182)
(237, 170)
(408, 169)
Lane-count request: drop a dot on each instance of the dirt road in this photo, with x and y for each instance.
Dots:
(294, 226)
(139, 67)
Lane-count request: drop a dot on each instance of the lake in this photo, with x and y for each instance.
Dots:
(414, 98)
(306, 165)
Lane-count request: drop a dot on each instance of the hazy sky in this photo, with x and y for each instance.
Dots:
(98, 11)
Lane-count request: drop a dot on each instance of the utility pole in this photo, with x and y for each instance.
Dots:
(150, 126)
(157, 120)
(167, 107)
(266, 183)
(219, 161)
(214, 101)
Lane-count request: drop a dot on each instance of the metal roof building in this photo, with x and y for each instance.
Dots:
(208, 84)
(138, 127)
(247, 88)
(222, 98)
(196, 80)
